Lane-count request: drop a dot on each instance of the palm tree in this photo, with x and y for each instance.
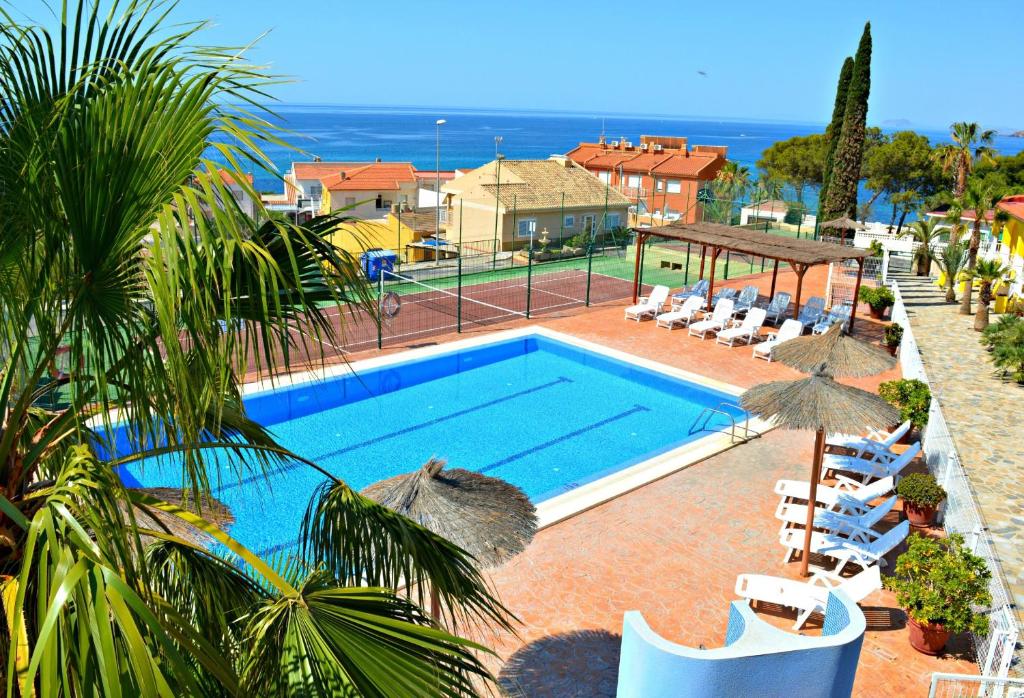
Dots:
(125, 258)
(925, 233)
(980, 197)
(987, 272)
(952, 261)
(970, 145)
(730, 183)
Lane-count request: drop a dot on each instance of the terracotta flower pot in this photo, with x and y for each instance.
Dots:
(927, 638)
(876, 313)
(919, 515)
(891, 348)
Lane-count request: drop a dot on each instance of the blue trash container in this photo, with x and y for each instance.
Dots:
(373, 261)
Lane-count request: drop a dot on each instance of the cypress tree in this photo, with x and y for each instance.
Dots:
(836, 125)
(841, 198)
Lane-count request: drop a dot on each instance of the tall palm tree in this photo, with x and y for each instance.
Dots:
(970, 145)
(979, 197)
(987, 272)
(125, 259)
(733, 178)
(925, 232)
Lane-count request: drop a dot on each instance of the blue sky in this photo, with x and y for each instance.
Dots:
(934, 62)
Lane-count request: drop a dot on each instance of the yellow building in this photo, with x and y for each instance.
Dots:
(402, 231)
(1012, 248)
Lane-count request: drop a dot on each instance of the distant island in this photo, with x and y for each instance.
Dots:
(1017, 134)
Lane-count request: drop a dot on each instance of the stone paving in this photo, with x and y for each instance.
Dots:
(983, 414)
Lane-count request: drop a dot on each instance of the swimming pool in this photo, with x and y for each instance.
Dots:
(546, 415)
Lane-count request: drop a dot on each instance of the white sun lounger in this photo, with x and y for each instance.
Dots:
(829, 495)
(806, 597)
(648, 306)
(683, 316)
(791, 329)
(746, 330)
(876, 442)
(871, 468)
(851, 517)
(864, 548)
(718, 320)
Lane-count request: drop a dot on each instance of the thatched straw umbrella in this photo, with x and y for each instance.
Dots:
(844, 223)
(819, 404)
(841, 354)
(487, 517)
(212, 510)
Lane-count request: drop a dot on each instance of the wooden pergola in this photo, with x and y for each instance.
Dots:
(716, 238)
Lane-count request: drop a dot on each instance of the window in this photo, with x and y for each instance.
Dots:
(674, 186)
(315, 191)
(526, 228)
(605, 176)
(633, 181)
(569, 222)
(588, 223)
(659, 185)
(612, 221)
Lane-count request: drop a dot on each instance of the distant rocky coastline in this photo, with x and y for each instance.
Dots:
(1017, 134)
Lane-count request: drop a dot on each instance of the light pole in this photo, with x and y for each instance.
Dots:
(497, 143)
(437, 194)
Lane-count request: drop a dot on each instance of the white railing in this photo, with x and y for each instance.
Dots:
(960, 513)
(967, 686)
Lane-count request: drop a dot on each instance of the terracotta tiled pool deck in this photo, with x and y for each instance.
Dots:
(673, 548)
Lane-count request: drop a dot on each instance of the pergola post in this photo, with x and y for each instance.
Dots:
(703, 251)
(801, 269)
(711, 279)
(775, 276)
(636, 265)
(856, 292)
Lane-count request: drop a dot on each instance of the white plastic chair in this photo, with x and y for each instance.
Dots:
(746, 330)
(852, 516)
(649, 306)
(871, 468)
(718, 320)
(833, 497)
(683, 315)
(791, 329)
(778, 309)
(806, 597)
(876, 442)
(863, 549)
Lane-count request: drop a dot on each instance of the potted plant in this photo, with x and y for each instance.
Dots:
(940, 584)
(892, 337)
(921, 495)
(911, 396)
(879, 299)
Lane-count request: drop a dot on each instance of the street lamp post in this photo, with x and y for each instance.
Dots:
(437, 194)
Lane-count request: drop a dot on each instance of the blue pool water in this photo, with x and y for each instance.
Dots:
(542, 414)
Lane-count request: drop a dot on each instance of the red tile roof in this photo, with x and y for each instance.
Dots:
(316, 170)
(433, 174)
(695, 164)
(1014, 205)
(966, 215)
(376, 176)
(229, 179)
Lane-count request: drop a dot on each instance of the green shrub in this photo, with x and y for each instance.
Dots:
(911, 396)
(939, 581)
(878, 298)
(921, 489)
(875, 249)
(893, 335)
(794, 214)
(1008, 348)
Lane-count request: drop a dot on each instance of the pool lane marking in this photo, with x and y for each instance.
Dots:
(561, 380)
(636, 409)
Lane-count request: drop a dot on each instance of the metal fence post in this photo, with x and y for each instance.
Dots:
(458, 298)
(529, 276)
(640, 276)
(726, 276)
(686, 269)
(590, 268)
(380, 308)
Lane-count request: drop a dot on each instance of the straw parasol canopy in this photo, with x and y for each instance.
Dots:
(841, 354)
(212, 510)
(487, 517)
(844, 223)
(818, 403)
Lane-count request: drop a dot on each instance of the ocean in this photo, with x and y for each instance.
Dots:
(364, 133)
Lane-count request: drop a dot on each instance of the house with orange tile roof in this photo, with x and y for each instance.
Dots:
(661, 175)
(1012, 239)
(369, 191)
(240, 193)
